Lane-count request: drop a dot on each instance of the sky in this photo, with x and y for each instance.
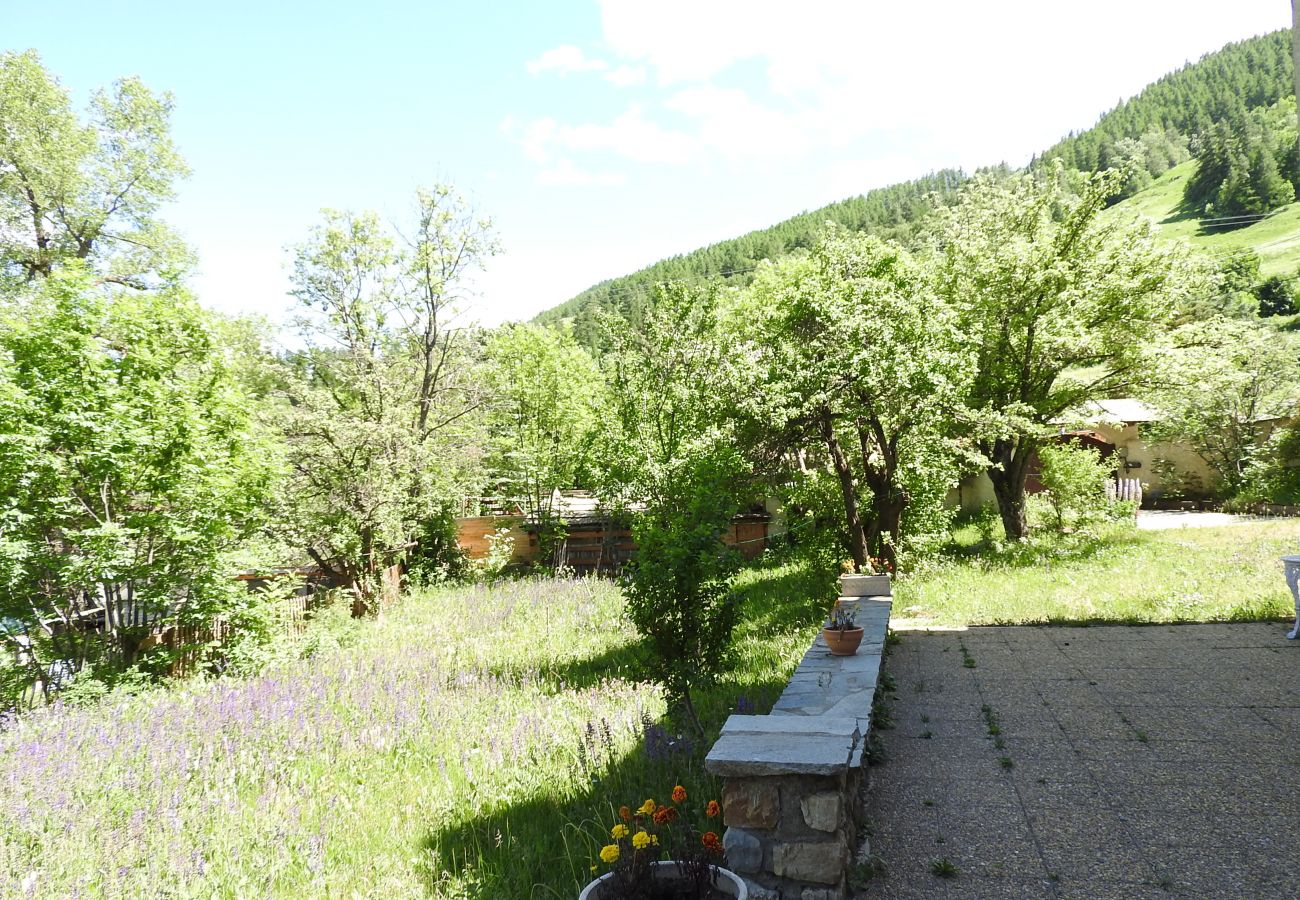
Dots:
(599, 136)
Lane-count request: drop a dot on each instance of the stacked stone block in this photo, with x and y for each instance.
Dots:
(792, 779)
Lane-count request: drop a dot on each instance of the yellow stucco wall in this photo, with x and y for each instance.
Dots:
(977, 491)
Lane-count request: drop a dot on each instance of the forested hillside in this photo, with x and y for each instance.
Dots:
(893, 211)
(1222, 86)
(1193, 112)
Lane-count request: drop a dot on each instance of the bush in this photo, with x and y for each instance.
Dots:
(437, 555)
(1075, 481)
(1272, 476)
(1276, 297)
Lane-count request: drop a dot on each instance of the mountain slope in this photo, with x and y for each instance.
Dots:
(1276, 239)
(1221, 86)
(893, 212)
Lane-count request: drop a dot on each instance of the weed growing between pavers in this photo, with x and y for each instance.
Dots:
(944, 868)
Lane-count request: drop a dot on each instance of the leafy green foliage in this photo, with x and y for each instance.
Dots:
(130, 469)
(84, 191)
(1272, 473)
(1059, 304)
(671, 455)
(380, 404)
(544, 394)
(1221, 379)
(858, 356)
(1075, 479)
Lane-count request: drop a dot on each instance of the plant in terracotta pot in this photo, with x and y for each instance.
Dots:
(842, 636)
(657, 853)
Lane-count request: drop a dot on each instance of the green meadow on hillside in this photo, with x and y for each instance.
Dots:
(1276, 239)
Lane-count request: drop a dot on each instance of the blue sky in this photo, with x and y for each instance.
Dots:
(600, 136)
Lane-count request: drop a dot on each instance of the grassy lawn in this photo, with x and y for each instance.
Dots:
(1191, 574)
(474, 743)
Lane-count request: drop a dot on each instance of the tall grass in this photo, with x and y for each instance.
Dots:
(474, 744)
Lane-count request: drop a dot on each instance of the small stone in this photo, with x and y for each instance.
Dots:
(823, 863)
(750, 804)
(744, 851)
(821, 811)
(758, 892)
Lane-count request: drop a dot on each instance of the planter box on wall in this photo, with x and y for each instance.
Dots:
(864, 586)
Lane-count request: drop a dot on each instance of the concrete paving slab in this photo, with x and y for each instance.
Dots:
(1162, 765)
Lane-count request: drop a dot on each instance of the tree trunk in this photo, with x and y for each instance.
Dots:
(887, 507)
(692, 716)
(1008, 474)
(857, 536)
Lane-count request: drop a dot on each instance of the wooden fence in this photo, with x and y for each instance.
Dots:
(195, 646)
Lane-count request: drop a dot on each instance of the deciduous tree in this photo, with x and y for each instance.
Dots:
(1220, 380)
(130, 466)
(544, 394)
(85, 190)
(670, 455)
(860, 357)
(381, 414)
(1059, 304)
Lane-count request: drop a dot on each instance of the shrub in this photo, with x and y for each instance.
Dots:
(1075, 479)
(1276, 297)
(1273, 475)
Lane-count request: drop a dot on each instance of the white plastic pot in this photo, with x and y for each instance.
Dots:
(729, 883)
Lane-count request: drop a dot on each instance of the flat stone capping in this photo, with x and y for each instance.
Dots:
(772, 745)
(792, 778)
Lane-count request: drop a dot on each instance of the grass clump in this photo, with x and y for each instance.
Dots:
(943, 868)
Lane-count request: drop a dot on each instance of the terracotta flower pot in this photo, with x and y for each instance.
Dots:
(729, 884)
(842, 643)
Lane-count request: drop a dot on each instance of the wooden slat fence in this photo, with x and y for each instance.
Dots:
(197, 645)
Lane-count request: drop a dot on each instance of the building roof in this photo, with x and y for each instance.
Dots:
(1123, 411)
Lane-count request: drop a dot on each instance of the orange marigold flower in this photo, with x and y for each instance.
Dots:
(712, 809)
(679, 794)
(711, 842)
(625, 814)
(664, 814)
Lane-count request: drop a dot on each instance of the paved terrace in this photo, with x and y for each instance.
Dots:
(1135, 762)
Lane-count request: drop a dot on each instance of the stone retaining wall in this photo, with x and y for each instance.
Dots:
(792, 780)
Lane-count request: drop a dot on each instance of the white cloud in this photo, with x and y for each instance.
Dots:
(630, 136)
(564, 60)
(564, 172)
(748, 83)
(626, 76)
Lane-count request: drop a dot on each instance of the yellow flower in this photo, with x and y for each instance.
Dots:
(654, 839)
(618, 831)
(647, 808)
(640, 840)
(609, 853)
